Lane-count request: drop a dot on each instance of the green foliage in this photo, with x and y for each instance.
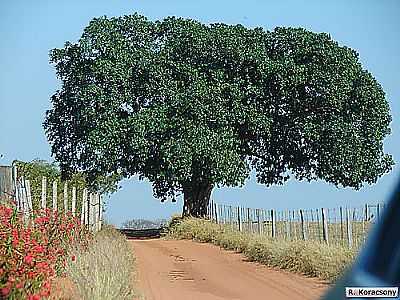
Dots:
(36, 169)
(182, 103)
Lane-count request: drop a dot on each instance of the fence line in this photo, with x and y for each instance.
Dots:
(337, 226)
(90, 210)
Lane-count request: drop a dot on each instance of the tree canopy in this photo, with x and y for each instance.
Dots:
(190, 106)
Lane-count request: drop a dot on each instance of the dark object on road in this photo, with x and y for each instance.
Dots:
(142, 233)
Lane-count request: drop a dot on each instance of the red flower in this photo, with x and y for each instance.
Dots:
(42, 265)
(19, 285)
(34, 297)
(5, 291)
(39, 249)
(28, 259)
(38, 252)
(46, 285)
(15, 241)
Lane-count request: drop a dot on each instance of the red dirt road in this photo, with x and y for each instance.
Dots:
(185, 270)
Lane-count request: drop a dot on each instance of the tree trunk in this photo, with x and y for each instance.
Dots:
(196, 199)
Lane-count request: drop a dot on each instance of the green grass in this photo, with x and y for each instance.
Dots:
(105, 270)
(310, 258)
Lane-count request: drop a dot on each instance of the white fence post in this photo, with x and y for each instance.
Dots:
(65, 198)
(44, 192)
(73, 201)
(87, 209)
(54, 195)
(91, 215)
(83, 206)
(29, 196)
(349, 229)
(15, 181)
(94, 212)
(24, 198)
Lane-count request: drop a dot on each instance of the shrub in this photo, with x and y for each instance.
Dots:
(33, 253)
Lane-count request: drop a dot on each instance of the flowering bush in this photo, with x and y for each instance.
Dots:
(32, 253)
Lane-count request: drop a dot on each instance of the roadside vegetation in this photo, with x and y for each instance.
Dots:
(106, 270)
(34, 252)
(312, 259)
(52, 256)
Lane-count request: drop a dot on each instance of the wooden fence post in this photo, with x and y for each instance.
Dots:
(65, 198)
(100, 211)
(324, 226)
(303, 226)
(54, 195)
(258, 221)
(349, 228)
(73, 207)
(239, 220)
(44, 192)
(273, 233)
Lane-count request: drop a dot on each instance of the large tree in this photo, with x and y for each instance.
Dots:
(191, 106)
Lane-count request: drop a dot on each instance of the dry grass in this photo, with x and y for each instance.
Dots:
(105, 270)
(309, 258)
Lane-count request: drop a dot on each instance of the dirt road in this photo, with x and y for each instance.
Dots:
(185, 270)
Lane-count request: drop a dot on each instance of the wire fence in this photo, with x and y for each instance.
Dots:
(337, 226)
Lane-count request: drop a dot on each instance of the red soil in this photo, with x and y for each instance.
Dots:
(183, 270)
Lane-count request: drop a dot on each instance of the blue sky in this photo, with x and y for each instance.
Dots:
(29, 29)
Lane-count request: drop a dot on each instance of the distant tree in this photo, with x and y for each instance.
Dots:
(191, 106)
(144, 224)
